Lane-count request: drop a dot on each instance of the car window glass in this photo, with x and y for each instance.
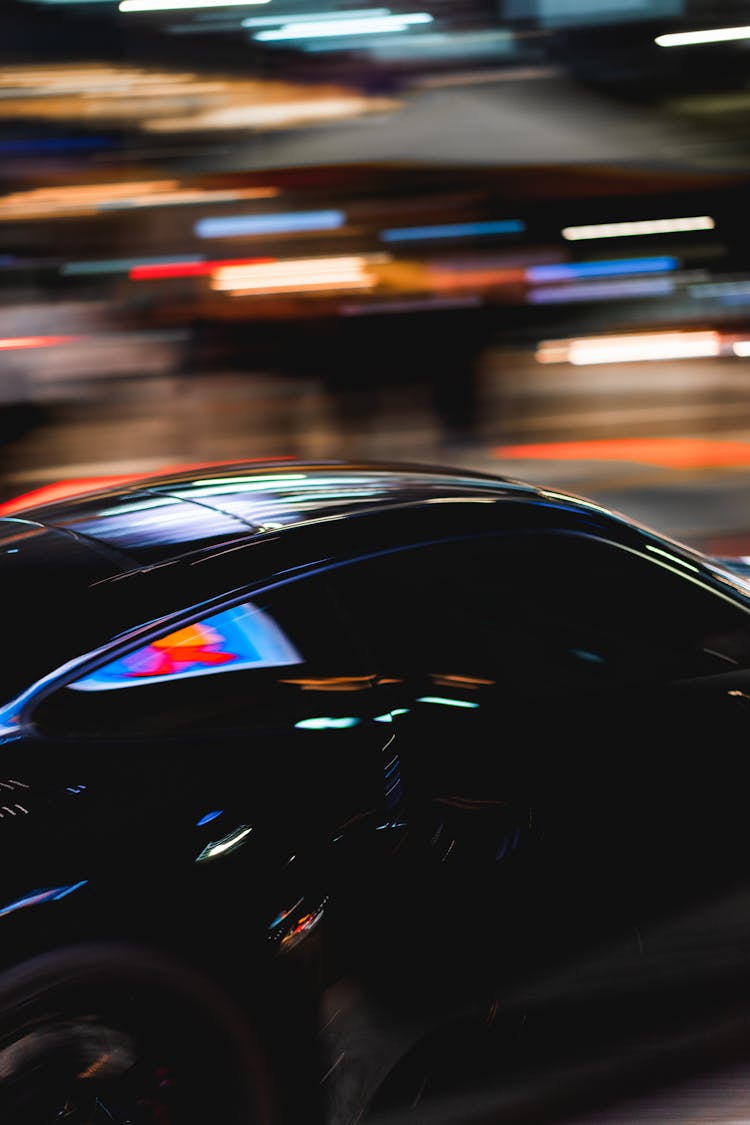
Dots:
(248, 662)
(241, 637)
(583, 610)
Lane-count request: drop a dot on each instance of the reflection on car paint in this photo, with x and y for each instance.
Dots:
(293, 924)
(327, 722)
(226, 844)
(283, 914)
(208, 817)
(330, 683)
(444, 701)
(35, 898)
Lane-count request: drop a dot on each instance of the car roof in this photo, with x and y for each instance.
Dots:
(83, 571)
(153, 518)
(79, 570)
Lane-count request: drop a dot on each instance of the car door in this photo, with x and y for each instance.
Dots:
(252, 724)
(557, 699)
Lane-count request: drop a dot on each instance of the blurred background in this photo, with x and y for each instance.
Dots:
(500, 234)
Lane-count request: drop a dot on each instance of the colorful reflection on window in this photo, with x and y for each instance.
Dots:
(237, 638)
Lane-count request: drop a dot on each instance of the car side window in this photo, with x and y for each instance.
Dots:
(237, 665)
(579, 610)
(242, 637)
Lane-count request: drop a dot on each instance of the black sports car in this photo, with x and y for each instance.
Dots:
(321, 781)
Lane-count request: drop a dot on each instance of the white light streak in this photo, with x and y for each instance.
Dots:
(445, 701)
(228, 844)
(347, 272)
(330, 28)
(638, 227)
(691, 38)
(629, 349)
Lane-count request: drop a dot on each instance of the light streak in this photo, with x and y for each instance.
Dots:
(330, 28)
(629, 349)
(454, 230)
(14, 343)
(195, 268)
(228, 226)
(638, 227)
(691, 38)
(446, 702)
(290, 276)
(563, 271)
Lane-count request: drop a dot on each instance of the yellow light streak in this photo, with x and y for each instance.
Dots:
(629, 349)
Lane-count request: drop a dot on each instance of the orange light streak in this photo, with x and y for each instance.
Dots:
(668, 453)
(13, 343)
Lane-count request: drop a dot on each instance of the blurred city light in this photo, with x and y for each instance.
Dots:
(160, 100)
(667, 452)
(722, 289)
(345, 272)
(601, 291)
(329, 28)
(198, 268)
(118, 265)
(562, 271)
(89, 79)
(629, 349)
(689, 38)
(638, 227)
(18, 343)
(65, 201)
(467, 46)
(228, 226)
(454, 230)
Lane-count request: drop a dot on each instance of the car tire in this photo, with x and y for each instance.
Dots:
(111, 1034)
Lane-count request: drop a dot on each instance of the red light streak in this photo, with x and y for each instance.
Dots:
(12, 343)
(162, 270)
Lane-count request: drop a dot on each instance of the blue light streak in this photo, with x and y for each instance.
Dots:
(615, 268)
(226, 226)
(35, 898)
(209, 817)
(454, 230)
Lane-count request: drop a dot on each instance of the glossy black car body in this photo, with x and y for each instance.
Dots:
(302, 763)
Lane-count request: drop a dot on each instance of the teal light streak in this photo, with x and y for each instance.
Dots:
(446, 702)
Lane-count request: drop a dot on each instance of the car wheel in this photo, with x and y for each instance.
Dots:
(108, 1034)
